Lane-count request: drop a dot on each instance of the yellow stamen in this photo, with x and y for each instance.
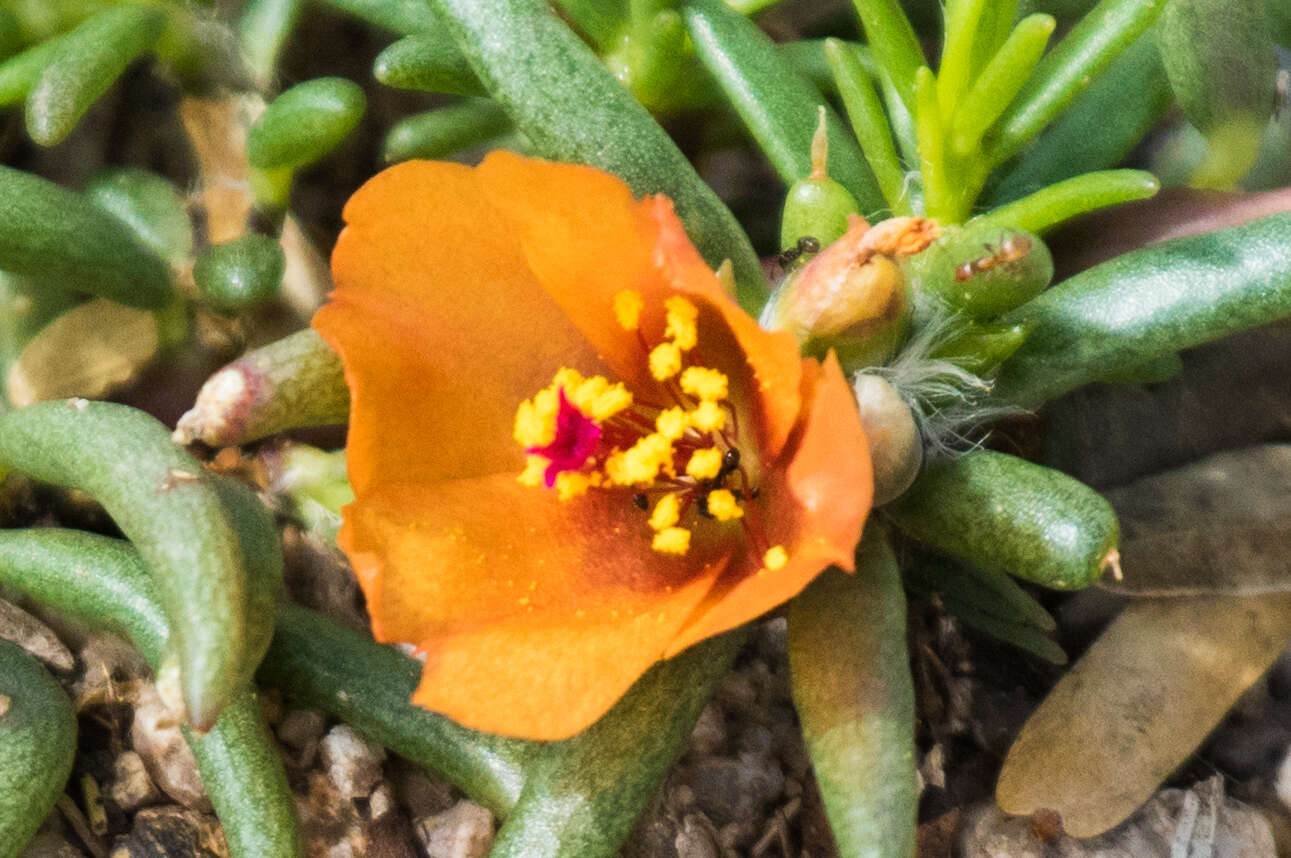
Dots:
(704, 383)
(723, 505)
(641, 462)
(704, 464)
(681, 322)
(627, 309)
(667, 512)
(599, 399)
(775, 558)
(671, 423)
(535, 422)
(665, 361)
(671, 540)
(534, 469)
(571, 484)
(708, 416)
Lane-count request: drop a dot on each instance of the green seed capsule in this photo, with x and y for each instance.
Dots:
(1004, 514)
(305, 123)
(37, 743)
(817, 206)
(240, 273)
(981, 272)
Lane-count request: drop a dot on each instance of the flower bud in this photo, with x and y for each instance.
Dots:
(817, 206)
(981, 271)
(896, 448)
(852, 297)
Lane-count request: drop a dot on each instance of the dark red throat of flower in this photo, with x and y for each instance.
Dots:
(576, 438)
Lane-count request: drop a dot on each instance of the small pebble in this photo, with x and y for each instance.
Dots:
(353, 765)
(131, 787)
(156, 736)
(465, 830)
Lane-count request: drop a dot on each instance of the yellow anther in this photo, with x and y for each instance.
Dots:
(671, 423)
(667, 512)
(627, 309)
(681, 322)
(535, 423)
(641, 462)
(535, 468)
(671, 540)
(599, 399)
(665, 361)
(571, 484)
(566, 378)
(704, 383)
(704, 464)
(723, 505)
(708, 416)
(775, 558)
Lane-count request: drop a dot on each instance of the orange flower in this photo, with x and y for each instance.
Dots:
(526, 324)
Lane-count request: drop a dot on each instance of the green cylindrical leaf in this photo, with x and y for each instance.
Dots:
(869, 122)
(305, 123)
(583, 796)
(103, 582)
(87, 61)
(584, 115)
(398, 16)
(90, 578)
(1105, 123)
(290, 383)
(1066, 70)
(1220, 60)
(240, 273)
(318, 663)
(446, 130)
(18, 74)
(940, 200)
(954, 72)
(244, 777)
(160, 498)
(854, 695)
(58, 236)
(778, 107)
(1005, 514)
(895, 45)
(429, 62)
(37, 744)
(1147, 303)
(982, 271)
(1050, 206)
(150, 206)
(1000, 81)
(262, 29)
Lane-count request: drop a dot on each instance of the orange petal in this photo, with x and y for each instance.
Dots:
(442, 328)
(772, 357)
(815, 507)
(535, 615)
(587, 239)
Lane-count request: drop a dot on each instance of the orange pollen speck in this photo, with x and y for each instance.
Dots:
(677, 458)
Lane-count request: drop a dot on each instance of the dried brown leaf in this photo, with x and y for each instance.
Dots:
(1137, 704)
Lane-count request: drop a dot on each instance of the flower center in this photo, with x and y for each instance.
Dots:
(677, 459)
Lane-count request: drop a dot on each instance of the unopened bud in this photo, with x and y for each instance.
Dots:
(852, 297)
(981, 271)
(896, 449)
(817, 207)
